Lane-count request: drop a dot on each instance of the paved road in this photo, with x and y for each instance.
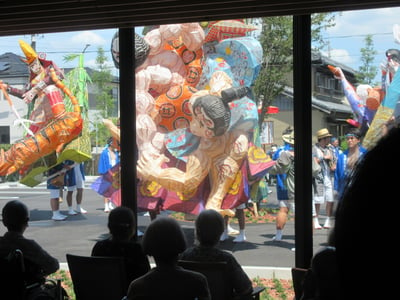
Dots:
(78, 234)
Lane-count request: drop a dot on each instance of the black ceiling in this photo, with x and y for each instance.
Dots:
(42, 16)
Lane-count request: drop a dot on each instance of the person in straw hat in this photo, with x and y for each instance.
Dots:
(284, 167)
(322, 181)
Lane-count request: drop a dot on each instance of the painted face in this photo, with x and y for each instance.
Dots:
(35, 66)
(201, 124)
(115, 51)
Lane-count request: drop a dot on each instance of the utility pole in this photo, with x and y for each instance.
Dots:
(33, 41)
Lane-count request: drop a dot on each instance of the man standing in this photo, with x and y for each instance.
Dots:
(75, 180)
(322, 182)
(285, 166)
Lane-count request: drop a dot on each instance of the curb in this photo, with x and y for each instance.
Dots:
(15, 184)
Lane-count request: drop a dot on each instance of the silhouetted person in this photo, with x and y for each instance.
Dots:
(38, 263)
(120, 243)
(209, 227)
(164, 240)
(363, 236)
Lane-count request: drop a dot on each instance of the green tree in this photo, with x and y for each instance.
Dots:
(367, 71)
(276, 39)
(105, 103)
(102, 79)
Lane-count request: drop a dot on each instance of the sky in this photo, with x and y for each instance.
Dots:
(348, 36)
(345, 39)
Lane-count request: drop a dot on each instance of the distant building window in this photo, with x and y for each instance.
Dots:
(4, 134)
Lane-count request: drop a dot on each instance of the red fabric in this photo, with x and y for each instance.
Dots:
(272, 110)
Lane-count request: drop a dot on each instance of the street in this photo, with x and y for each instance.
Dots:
(78, 234)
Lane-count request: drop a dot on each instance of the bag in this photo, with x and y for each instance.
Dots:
(316, 167)
(58, 180)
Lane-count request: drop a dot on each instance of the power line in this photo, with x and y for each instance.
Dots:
(357, 35)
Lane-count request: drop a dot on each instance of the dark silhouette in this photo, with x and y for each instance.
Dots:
(164, 240)
(209, 227)
(121, 243)
(362, 250)
(37, 263)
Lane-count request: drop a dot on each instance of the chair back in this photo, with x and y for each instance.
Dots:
(298, 275)
(12, 279)
(216, 273)
(95, 277)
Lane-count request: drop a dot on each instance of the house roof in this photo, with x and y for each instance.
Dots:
(323, 105)
(330, 107)
(322, 61)
(11, 65)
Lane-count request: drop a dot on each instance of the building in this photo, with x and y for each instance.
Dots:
(15, 72)
(330, 108)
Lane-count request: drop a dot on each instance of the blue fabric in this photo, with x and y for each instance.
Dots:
(69, 179)
(341, 174)
(104, 161)
(281, 190)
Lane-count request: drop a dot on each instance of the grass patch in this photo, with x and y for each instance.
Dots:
(274, 288)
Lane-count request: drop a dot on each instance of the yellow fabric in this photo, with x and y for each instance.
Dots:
(30, 54)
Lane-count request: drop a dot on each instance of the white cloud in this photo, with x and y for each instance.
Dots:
(340, 55)
(347, 37)
(362, 22)
(88, 37)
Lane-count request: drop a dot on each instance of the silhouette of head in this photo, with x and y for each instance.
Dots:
(121, 223)
(164, 240)
(15, 215)
(209, 227)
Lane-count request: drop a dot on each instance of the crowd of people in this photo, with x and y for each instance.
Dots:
(165, 241)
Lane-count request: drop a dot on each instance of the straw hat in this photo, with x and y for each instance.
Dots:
(288, 138)
(323, 133)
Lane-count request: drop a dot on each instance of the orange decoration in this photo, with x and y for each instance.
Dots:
(173, 107)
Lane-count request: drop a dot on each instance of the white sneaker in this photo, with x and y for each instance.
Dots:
(232, 231)
(240, 238)
(59, 217)
(81, 211)
(316, 224)
(224, 236)
(277, 238)
(71, 212)
(327, 224)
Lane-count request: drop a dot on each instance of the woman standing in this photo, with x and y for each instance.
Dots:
(109, 157)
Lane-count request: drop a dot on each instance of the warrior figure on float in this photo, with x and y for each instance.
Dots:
(52, 127)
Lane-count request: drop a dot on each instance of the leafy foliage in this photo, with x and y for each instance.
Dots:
(276, 39)
(367, 71)
(102, 78)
